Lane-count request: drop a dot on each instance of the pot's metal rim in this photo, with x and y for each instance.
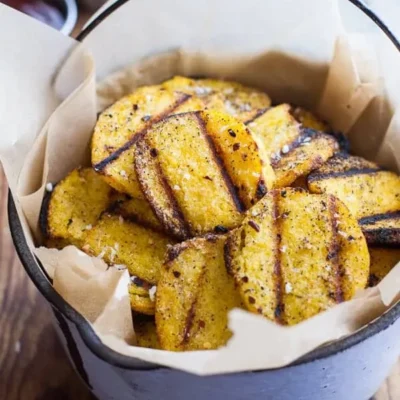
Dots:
(71, 12)
(32, 266)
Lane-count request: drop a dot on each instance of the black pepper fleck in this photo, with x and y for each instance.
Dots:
(220, 229)
(153, 152)
(236, 146)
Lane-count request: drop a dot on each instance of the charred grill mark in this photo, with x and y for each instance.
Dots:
(184, 228)
(189, 322)
(280, 307)
(181, 229)
(234, 194)
(258, 114)
(99, 167)
(192, 311)
(174, 251)
(344, 143)
(334, 250)
(389, 237)
(340, 174)
(373, 219)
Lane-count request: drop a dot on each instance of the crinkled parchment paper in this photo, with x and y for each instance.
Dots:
(298, 53)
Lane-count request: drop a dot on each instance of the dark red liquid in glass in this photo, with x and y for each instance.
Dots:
(41, 10)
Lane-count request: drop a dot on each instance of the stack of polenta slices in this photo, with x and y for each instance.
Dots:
(213, 199)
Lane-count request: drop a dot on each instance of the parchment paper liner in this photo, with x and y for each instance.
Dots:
(344, 92)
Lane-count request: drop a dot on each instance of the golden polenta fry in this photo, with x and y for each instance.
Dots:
(194, 295)
(200, 171)
(142, 301)
(293, 149)
(297, 254)
(119, 241)
(229, 97)
(371, 194)
(73, 206)
(146, 332)
(123, 123)
(382, 262)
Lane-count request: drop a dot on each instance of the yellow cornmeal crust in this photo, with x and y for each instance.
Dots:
(119, 241)
(228, 97)
(310, 120)
(73, 207)
(297, 254)
(194, 295)
(382, 262)
(136, 210)
(200, 171)
(123, 122)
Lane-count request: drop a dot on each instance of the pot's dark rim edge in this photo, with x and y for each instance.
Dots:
(88, 335)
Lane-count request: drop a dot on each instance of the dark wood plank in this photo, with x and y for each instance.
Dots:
(33, 364)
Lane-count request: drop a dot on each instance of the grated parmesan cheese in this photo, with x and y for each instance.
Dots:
(152, 293)
(285, 149)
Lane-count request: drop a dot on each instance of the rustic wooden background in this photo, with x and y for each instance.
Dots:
(33, 365)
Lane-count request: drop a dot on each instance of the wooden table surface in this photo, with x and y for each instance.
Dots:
(33, 365)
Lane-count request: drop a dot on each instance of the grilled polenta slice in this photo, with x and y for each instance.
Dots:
(73, 206)
(119, 241)
(122, 124)
(382, 262)
(146, 332)
(371, 194)
(229, 97)
(141, 301)
(297, 254)
(294, 150)
(136, 210)
(194, 295)
(200, 171)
